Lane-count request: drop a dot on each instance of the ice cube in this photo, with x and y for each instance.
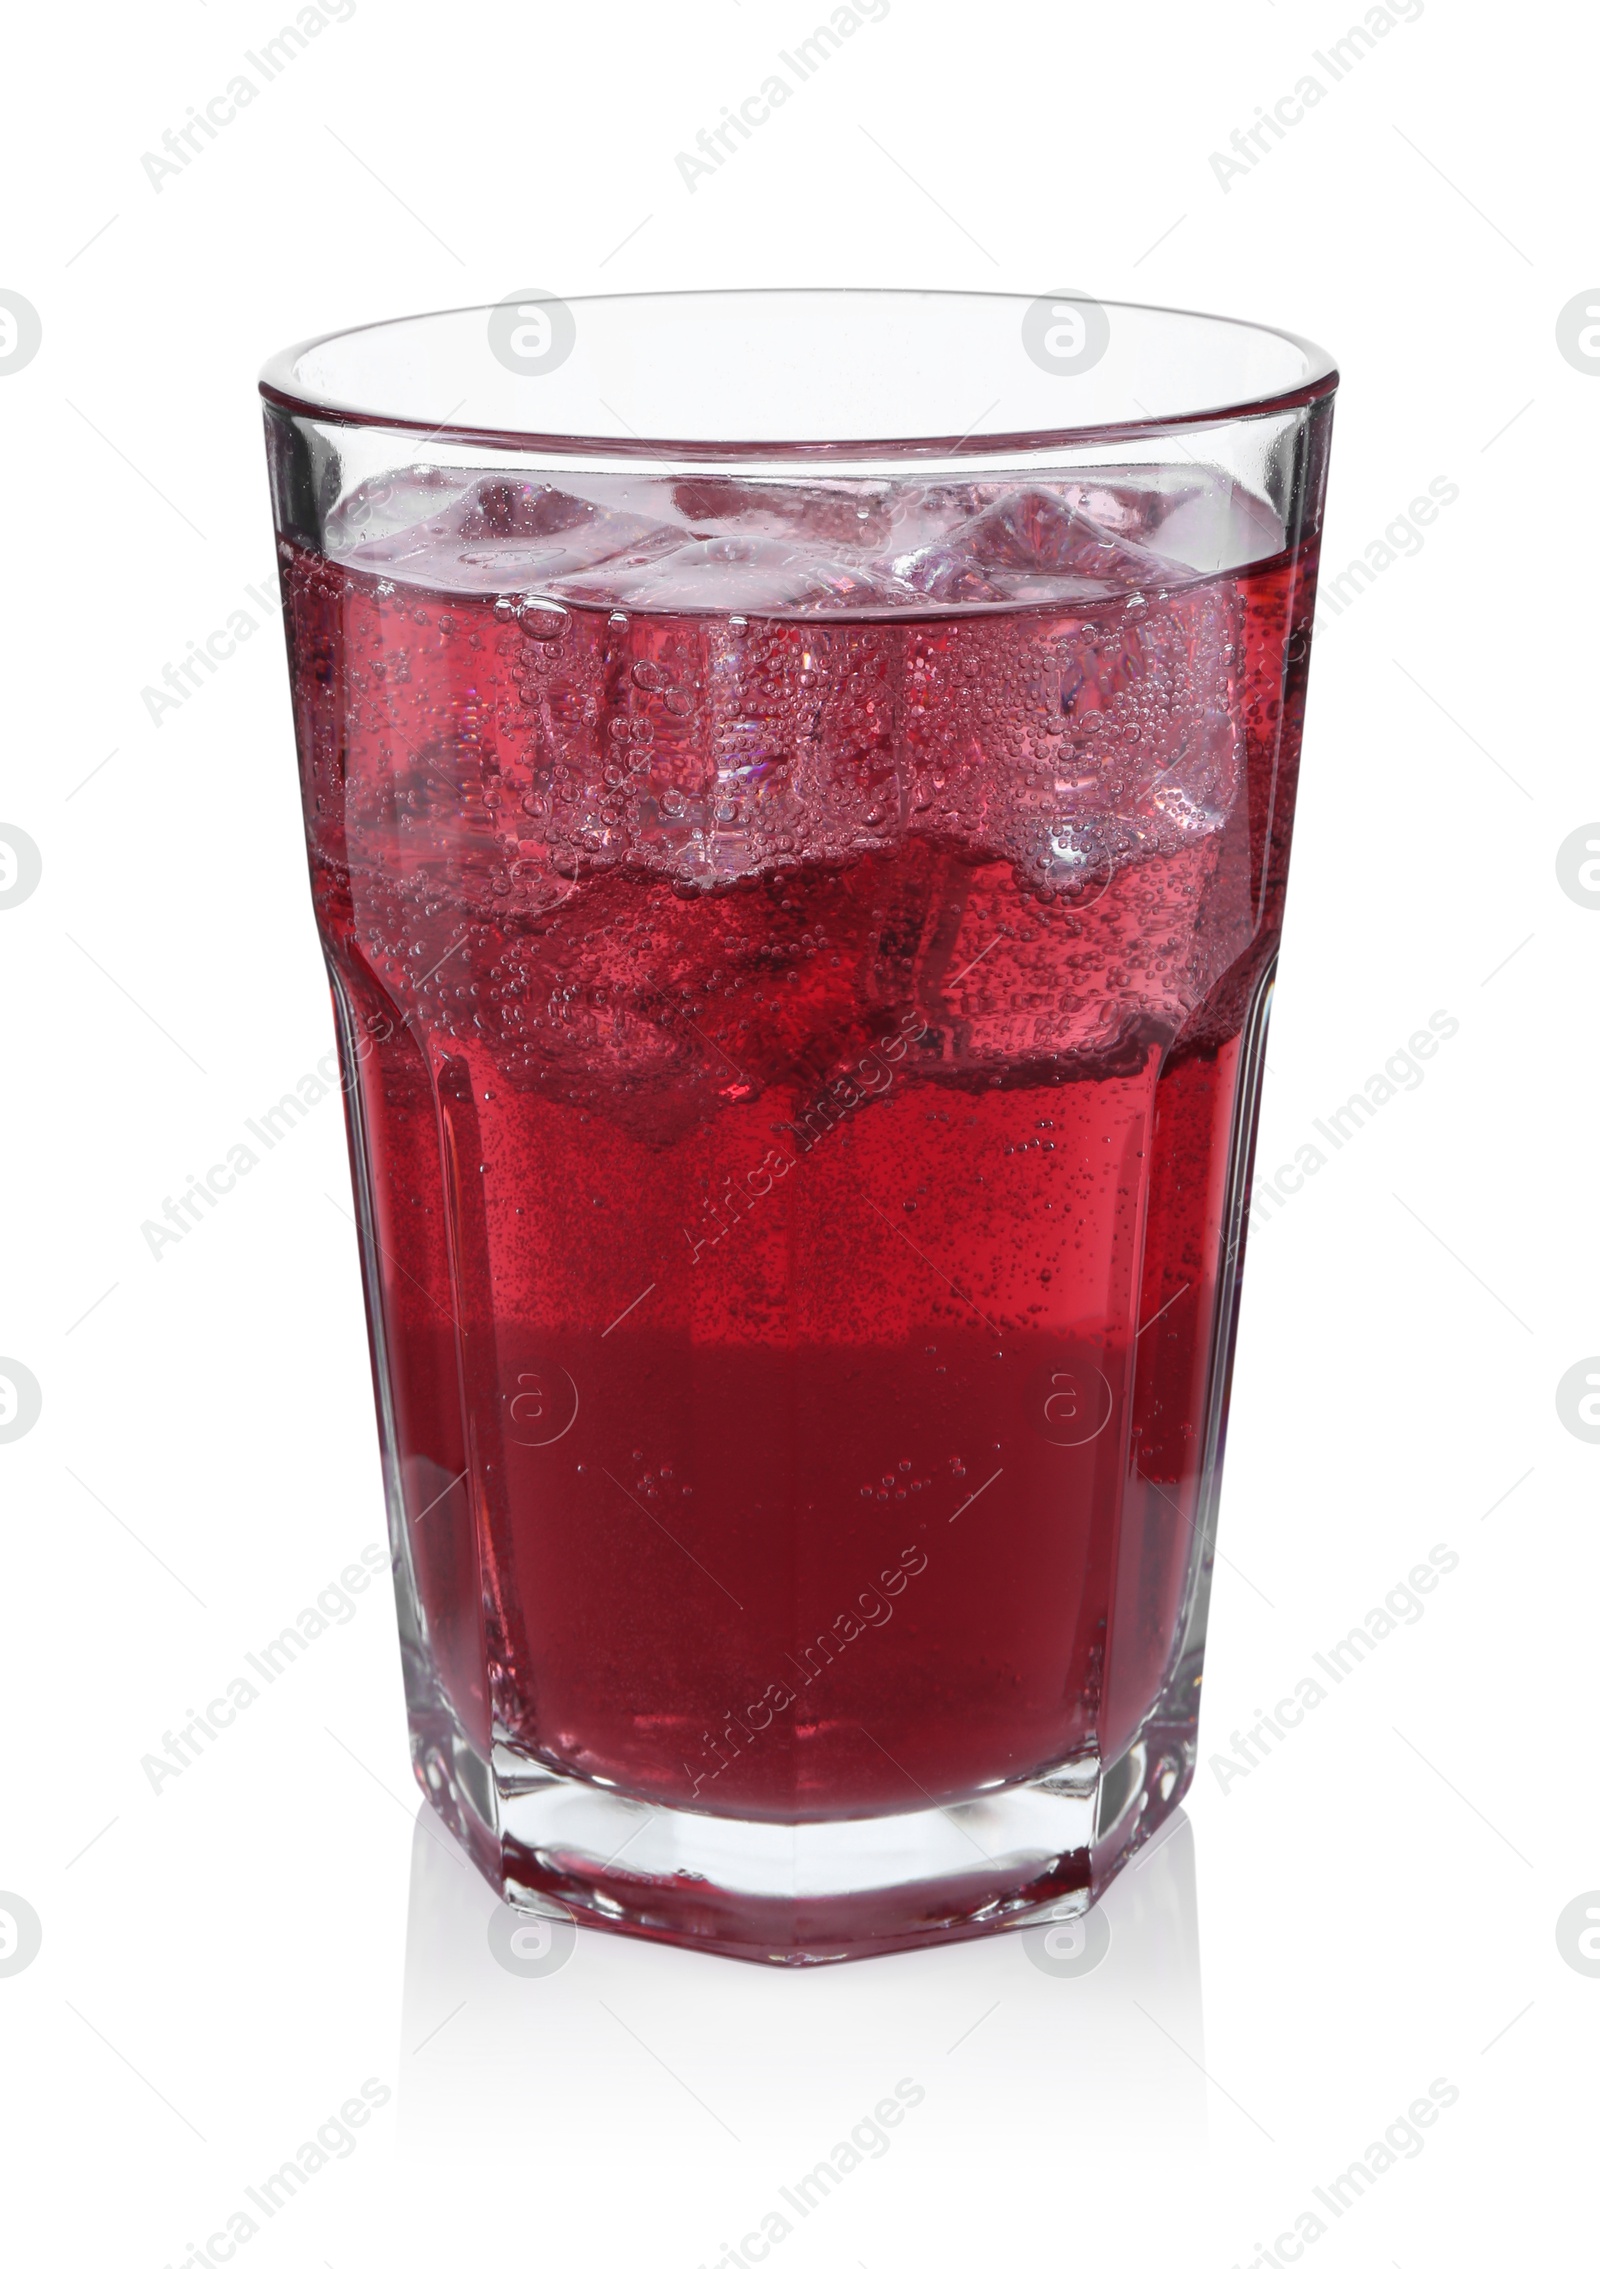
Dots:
(506, 508)
(1034, 536)
(503, 534)
(1132, 500)
(991, 981)
(1022, 546)
(944, 573)
(1221, 526)
(392, 503)
(925, 552)
(1072, 743)
(737, 575)
(836, 515)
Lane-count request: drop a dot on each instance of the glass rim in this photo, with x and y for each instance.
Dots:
(284, 388)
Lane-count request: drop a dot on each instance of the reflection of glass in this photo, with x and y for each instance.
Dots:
(1104, 2065)
(801, 914)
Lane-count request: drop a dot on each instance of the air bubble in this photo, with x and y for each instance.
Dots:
(542, 618)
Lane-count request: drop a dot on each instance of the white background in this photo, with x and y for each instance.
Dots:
(1370, 1909)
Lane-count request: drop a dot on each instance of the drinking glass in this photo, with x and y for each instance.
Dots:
(798, 787)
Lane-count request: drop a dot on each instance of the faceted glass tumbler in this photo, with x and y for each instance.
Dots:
(800, 855)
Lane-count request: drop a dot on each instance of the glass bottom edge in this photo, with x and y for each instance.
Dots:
(812, 1892)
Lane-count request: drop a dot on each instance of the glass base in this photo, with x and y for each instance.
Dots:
(816, 1891)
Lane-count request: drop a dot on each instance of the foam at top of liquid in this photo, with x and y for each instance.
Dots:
(717, 545)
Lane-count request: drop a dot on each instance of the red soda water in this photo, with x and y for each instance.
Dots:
(798, 953)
